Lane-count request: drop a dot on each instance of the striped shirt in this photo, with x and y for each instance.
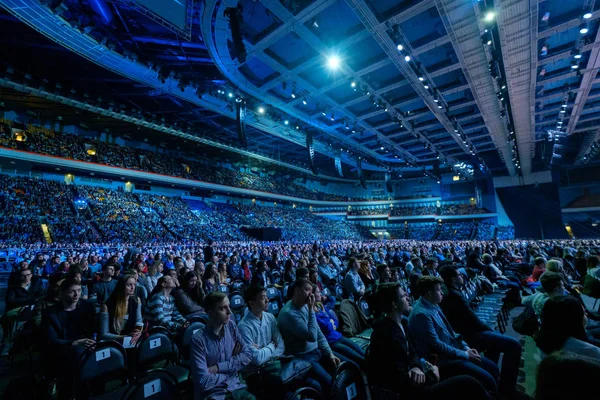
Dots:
(161, 311)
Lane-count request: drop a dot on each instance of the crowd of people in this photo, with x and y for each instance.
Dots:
(462, 209)
(426, 340)
(182, 164)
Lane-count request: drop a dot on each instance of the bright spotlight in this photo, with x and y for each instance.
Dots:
(304, 102)
(230, 94)
(353, 84)
(407, 58)
(333, 62)
(421, 79)
(584, 28)
(587, 15)
(261, 110)
(489, 16)
(286, 122)
(400, 47)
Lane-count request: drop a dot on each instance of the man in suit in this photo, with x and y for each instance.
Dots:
(433, 334)
(393, 364)
(479, 335)
(67, 331)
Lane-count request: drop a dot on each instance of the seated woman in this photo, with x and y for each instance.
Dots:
(161, 309)
(121, 315)
(155, 271)
(343, 348)
(190, 297)
(563, 328)
(223, 277)
(210, 279)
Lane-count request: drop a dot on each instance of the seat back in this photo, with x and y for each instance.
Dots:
(348, 383)
(238, 285)
(157, 384)
(339, 290)
(364, 307)
(236, 302)
(273, 293)
(326, 291)
(306, 393)
(186, 341)
(142, 293)
(157, 347)
(274, 307)
(108, 362)
(224, 289)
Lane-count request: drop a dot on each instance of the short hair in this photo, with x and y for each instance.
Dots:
(553, 266)
(431, 261)
(109, 265)
(427, 283)
(487, 259)
(252, 291)
(74, 270)
(381, 268)
(593, 261)
(550, 281)
(302, 273)
(387, 293)
(213, 299)
(67, 283)
(299, 283)
(540, 260)
(448, 272)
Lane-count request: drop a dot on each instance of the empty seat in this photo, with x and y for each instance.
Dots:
(108, 362)
(157, 385)
(348, 383)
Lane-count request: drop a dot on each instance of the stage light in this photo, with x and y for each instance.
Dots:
(230, 94)
(400, 47)
(421, 78)
(304, 102)
(333, 62)
(587, 15)
(381, 147)
(407, 58)
(353, 84)
(426, 87)
(261, 110)
(584, 28)
(489, 16)
(293, 96)
(577, 55)
(574, 65)
(286, 122)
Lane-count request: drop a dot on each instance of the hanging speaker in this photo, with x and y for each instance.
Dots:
(240, 122)
(311, 153)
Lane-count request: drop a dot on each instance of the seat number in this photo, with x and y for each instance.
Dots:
(102, 354)
(154, 343)
(236, 302)
(151, 388)
(351, 391)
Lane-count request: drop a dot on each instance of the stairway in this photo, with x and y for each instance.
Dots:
(46, 232)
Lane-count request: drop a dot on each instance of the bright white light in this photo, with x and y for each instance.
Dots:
(421, 78)
(381, 147)
(426, 86)
(304, 102)
(407, 58)
(489, 17)
(577, 56)
(333, 62)
(261, 110)
(564, 105)
(400, 47)
(293, 95)
(286, 122)
(584, 30)
(230, 94)
(575, 66)
(587, 15)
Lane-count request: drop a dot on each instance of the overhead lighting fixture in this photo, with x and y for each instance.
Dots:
(426, 87)
(381, 147)
(421, 78)
(293, 95)
(489, 16)
(286, 122)
(587, 15)
(575, 65)
(333, 62)
(304, 102)
(400, 47)
(261, 110)
(584, 28)
(564, 105)
(353, 84)
(577, 54)
(407, 58)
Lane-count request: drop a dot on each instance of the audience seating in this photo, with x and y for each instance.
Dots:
(348, 383)
(159, 348)
(106, 363)
(156, 384)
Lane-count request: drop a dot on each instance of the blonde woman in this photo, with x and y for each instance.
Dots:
(121, 315)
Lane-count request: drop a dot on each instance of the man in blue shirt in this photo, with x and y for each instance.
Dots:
(218, 354)
(432, 334)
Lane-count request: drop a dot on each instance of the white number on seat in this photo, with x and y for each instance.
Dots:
(154, 343)
(151, 388)
(102, 354)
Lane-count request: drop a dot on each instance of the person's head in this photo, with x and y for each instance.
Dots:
(108, 271)
(313, 276)
(540, 262)
(552, 283)
(452, 277)
(75, 273)
(557, 372)
(384, 272)
(431, 264)
(302, 291)
(25, 276)
(353, 264)
(210, 272)
(416, 262)
(70, 291)
(593, 262)
(554, 266)
(302, 273)
(365, 268)
(562, 317)
(222, 268)
(178, 265)
(430, 288)
(216, 305)
(289, 265)
(317, 293)
(199, 268)
(391, 298)
(261, 267)
(139, 267)
(189, 281)
(54, 282)
(487, 259)
(256, 298)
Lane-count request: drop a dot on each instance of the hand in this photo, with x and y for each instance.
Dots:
(255, 346)
(237, 349)
(311, 302)
(336, 361)
(417, 376)
(436, 372)
(87, 343)
(473, 355)
(135, 336)
(213, 370)
(187, 323)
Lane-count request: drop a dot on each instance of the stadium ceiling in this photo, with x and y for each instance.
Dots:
(508, 87)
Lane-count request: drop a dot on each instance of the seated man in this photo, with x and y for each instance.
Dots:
(302, 336)
(353, 285)
(66, 332)
(432, 334)
(259, 328)
(393, 364)
(27, 291)
(103, 288)
(218, 354)
(479, 335)
(552, 285)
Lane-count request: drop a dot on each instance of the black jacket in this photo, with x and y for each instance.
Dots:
(55, 331)
(17, 296)
(462, 318)
(390, 356)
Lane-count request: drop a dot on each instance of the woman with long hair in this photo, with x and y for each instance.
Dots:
(210, 279)
(289, 275)
(121, 315)
(563, 328)
(161, 309)
(190, 297)
(154, 273)
(222, 270)
(365, 273)
(246, 271)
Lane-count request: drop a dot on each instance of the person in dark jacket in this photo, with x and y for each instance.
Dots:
(393, 364)
(465, 322)
(67, 332)
(26, 292)
(190, 297)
